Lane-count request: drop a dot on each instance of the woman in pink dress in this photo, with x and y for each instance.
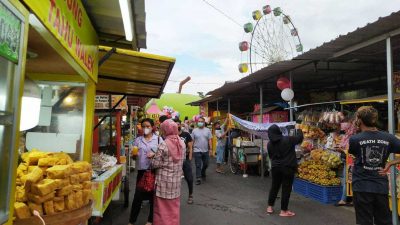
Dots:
(168, 161)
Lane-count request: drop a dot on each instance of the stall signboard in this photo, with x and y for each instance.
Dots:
(272, 117)
(10, 34)
(102, 102)
(68, 22)
(104, 188)
(204, 109)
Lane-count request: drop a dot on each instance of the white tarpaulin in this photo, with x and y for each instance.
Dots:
(260, 129)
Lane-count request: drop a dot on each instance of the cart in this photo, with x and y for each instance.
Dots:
(242, 157)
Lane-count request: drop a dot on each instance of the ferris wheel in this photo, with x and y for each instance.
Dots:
(273, 38)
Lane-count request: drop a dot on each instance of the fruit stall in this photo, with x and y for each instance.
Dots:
(51, 79)
(322, 154)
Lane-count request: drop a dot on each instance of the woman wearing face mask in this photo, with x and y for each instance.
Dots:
(147, 143)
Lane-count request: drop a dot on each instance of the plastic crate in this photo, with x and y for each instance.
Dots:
(324, 194)
(300, 187)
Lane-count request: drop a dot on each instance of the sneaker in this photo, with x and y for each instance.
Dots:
(220, 171)
(198, 182)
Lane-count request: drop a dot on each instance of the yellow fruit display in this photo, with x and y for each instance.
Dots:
(51, 183)
(318, 173)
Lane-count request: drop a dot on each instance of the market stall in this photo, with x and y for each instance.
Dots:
(57, 104)
(248, 147)
(123, 74)
(360, 64)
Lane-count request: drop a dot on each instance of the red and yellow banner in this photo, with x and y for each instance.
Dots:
(68, 22)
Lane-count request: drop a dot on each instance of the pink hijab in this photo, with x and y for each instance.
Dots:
(170, 129)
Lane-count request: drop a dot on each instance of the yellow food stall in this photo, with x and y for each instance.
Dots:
(50, 55)
(127, 73)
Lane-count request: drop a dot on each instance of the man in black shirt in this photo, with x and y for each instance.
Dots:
(371, 149)
(187, 164)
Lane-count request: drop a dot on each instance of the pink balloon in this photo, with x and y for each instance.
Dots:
(283, 83)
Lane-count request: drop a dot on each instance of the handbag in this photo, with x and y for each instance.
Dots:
(147, 181)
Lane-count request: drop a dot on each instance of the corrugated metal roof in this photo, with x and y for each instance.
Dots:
(134, 73)
(302, 64)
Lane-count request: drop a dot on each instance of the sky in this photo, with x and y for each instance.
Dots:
(205, 42)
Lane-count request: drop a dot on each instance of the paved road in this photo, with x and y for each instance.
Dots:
(234, 200)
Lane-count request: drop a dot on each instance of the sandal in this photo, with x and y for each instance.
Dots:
(190, 200)
(340, 204)
(270, 210)
(287, 214)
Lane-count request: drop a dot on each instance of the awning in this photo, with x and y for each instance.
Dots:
(379, 98)
(107, 19)
(129, 72)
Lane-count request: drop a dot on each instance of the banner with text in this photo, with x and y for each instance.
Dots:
(68, 22)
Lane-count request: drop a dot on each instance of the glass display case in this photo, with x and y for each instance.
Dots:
(61, 121)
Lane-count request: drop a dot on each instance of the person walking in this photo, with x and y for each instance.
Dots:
(281, 150)
(187, 163)
(220, 133)
(168, 161)
(202, 149)
(145, 144)
(371, 149)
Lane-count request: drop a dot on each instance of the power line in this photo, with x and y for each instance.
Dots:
(224, 14)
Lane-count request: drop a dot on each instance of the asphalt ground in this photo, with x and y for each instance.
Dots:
(228, 199)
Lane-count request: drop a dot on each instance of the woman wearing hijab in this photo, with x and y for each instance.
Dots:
(168, 161)
(281, 150)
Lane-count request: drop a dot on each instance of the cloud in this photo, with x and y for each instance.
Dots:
(205, 43)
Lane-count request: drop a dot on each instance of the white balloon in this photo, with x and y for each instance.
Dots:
(287, 94)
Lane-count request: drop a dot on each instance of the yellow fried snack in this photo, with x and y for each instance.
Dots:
(64, 191)
(48, 207)
(62, 157)
(59, 204)
(75, 179)
(81, 167)
(44, 187)
(77, 187)
(86, 196)
(79, 199)
(30, 168)
(40, 199)
(21, 210)
(32, 157)
(22, 169)
(85, 176)
(34, 176)
(59, 172)
(62, 182)
(70, 202)
(48, 161)
(20, 194)
(37, 207)
(87, 185)
(61, 162)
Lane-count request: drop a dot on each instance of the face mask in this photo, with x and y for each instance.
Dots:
(147, 131)
(200, 124)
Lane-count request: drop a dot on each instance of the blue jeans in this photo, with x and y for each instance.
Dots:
(220, 153)
(201, 160)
